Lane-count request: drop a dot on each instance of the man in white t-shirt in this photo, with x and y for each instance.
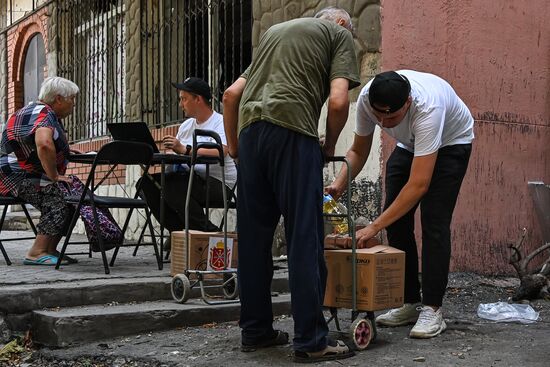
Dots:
(195, 100)
(434, 133)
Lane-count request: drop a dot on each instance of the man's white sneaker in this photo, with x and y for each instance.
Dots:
(404, 315)
(430, 323)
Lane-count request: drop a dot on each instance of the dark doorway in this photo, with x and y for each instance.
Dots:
(35, 63)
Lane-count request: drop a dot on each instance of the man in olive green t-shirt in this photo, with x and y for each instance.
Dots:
(276, 105)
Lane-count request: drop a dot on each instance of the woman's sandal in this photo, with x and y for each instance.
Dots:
(67, 258)
(279, 338)
(335, 349)
(46, 260)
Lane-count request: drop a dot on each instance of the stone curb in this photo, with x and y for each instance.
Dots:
(84, 324)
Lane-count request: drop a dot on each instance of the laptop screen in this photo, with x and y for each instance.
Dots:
(133, 131)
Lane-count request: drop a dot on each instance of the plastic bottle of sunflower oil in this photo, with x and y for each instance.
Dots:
(331, 206)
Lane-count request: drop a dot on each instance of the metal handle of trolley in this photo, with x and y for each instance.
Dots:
(181, 286)
(362, 330)
(351, 229)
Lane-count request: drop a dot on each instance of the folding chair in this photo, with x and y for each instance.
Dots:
(6, 201)
(113, 154)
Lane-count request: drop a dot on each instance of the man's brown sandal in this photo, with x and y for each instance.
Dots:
(335, 349)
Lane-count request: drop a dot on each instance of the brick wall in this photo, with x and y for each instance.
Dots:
(18, 38)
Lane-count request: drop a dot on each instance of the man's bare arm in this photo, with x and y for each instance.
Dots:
(419, 181)
(231, 101)
(357, 157)
(338, 109)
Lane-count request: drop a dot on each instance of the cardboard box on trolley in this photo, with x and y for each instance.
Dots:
(205, 252)
(380, 278)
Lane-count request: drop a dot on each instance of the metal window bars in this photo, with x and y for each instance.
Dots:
(91, 52)
(210, 39)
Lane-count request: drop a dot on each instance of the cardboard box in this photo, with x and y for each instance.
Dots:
(205, 253)
(380, 278)
(343, 241)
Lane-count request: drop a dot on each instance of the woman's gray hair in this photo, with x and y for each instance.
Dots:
(57, 86)
(333, 13)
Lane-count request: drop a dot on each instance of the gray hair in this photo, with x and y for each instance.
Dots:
(56, 86)
(333, 14)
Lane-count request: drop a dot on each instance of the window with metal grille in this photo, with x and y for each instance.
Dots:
(92, 54)
(210, 39)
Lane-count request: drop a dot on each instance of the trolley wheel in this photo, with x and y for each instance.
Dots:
(181, 288)
(231, 287)
(361, 333)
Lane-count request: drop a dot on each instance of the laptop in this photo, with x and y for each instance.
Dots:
(133, 131)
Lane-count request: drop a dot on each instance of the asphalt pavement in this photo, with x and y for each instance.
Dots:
(469, 340)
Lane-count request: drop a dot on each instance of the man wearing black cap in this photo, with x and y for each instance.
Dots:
(194, 100)
(434, 133)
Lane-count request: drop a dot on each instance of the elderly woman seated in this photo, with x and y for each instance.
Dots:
(33, 158)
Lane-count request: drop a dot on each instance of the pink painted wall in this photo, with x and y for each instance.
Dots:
(496, 54)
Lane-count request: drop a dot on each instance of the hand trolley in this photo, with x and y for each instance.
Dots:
(181, 283)
(362, 329)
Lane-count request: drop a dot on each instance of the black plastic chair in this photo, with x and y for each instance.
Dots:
(113, 154)
(6, 201)
(231, 202)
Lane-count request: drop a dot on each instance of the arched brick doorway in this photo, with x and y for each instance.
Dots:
(19, 42)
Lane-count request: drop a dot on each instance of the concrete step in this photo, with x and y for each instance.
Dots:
(64, 327)
(19, 299)
(17, 302)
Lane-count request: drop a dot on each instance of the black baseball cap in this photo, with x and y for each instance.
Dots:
(196, 86)
(389, 89)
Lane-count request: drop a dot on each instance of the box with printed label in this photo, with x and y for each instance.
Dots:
(206, 251)
(380, 278)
